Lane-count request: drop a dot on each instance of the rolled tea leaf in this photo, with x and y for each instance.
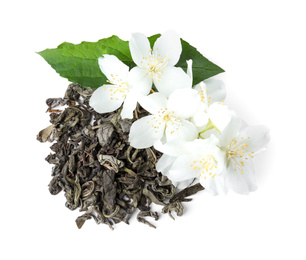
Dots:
(97, 169)
(44, 134)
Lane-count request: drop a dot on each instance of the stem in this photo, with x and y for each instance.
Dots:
(95, 127)
(209, 126)
(129, 171)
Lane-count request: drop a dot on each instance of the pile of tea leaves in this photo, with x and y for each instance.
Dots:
(97, 169)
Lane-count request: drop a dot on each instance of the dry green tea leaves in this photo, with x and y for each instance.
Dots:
(44, 134)
(97, 169)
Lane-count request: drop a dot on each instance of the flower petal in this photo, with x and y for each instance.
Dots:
(140, 48)
(200, 119)
(188, 97)
(139, 81)
(143, 132)
(214, 186)
(203, 146)
(129, 106)
(209, 133)
(215, 90)
(153, 102)
(171, 148)
(219, 115)
(103, 100)
(241, 183)
(164, 163)
(172, 79)
(169, 46)
(113, 68)
(230, 131)
(257, 137)
(189, 70)
(182, 170)
(181, 130)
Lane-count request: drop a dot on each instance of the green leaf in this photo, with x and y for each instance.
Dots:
(79, 63)
(153, 38)
(202, 68)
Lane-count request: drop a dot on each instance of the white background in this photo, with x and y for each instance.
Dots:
(260, 44)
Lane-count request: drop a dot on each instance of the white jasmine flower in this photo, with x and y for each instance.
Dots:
(212, 113)
(237, 148)
(171, 150)
(240, 148)
(168, 119)
(157, 64)
(125, 87)
(211, 91)
(201, 159)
